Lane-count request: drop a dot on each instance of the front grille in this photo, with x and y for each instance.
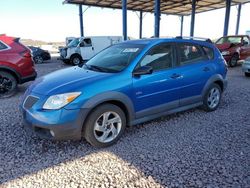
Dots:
(30, 101)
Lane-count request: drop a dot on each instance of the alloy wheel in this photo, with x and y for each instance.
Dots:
(107, 127)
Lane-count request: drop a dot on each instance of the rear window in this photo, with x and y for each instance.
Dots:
(209, 52)
(2, 46)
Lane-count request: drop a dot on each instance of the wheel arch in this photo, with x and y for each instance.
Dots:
(217, 79)
(12, 72)
(115, 98)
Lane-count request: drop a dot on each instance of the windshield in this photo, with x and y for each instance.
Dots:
(115, 58)
(74, 42)
(232, 40)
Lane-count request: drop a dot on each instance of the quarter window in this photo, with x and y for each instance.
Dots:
(209, 52)
(189, 54)
(159, 57)
(2, 46)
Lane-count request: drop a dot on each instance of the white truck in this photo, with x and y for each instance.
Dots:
(83, 48)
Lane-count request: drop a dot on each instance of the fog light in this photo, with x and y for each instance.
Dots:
(52, 133)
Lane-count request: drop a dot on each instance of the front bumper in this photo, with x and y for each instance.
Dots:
(28, 78)
(246, 67)
(62, 124)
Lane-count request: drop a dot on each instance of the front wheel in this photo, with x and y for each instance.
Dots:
(8, 84)
(75, 60)
(105, 125)
(212, 98)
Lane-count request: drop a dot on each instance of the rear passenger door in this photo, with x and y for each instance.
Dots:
(196, 67)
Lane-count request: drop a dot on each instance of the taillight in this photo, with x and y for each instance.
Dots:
(26, 54)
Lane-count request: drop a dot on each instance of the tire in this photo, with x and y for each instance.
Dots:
(233, 61)
(247, 74)
(8, 84)
(75, 60)
(100, 133)
(38, 59)
(212, 98)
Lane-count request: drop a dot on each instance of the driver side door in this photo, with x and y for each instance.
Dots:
(158, 91)
(87, 49)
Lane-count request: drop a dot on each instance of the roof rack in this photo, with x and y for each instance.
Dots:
(195, 38)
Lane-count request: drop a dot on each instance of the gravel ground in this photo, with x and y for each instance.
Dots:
(189, 149)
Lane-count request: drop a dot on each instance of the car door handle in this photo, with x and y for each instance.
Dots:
(176, 76)
(92, 48)
(206, 69)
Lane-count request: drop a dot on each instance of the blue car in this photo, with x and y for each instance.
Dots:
(124, 85)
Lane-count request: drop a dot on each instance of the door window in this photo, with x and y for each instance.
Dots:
(189, 53)
(159, 57)
(86, 43)
(245, 41)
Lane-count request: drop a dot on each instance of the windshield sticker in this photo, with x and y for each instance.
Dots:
(130, 50)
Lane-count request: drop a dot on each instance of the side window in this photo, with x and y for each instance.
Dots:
(245, 40)
(2, 46)
(159, 57)
(189, 53)
(86, 43)
(209, 52)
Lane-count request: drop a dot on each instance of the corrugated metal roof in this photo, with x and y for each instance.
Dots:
(174, 7)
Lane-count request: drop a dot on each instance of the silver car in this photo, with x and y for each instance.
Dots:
(246, 67)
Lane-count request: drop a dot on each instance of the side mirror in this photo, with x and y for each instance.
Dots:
(143, 70)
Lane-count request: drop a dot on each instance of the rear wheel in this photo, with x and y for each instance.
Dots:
(8, 84)
(234, 60)
(212, 98)
(247, 74)
(38, 59)
(105, 125)
(75, 60)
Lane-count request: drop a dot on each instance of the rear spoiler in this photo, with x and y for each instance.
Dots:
(195, 38)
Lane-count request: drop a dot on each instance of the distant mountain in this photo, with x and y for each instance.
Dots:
(30, 42)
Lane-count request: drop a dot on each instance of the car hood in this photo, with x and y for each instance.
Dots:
(66, 80)
(224, 46)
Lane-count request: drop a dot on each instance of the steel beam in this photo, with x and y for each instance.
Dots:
(227, 16)
(157, 17)
(140, 29)
(182, 19)
(238, 20)
(81, 21)
(124, 19)
(192, 18)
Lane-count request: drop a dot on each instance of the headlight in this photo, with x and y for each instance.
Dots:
(55, 102)
(225, 53)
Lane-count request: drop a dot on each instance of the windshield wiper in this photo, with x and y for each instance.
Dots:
(99, 69)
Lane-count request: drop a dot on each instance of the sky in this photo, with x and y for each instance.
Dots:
(51, 21)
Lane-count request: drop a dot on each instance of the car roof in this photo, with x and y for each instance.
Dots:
(154, 41)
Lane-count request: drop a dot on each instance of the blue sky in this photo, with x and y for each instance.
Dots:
(50, 20)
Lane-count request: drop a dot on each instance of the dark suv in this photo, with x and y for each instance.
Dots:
(16, 65)
(125, 84)
(234, 48)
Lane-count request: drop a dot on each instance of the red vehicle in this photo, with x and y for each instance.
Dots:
(16, 65)
(234, 48)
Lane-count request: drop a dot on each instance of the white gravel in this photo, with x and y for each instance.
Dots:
(189, 149)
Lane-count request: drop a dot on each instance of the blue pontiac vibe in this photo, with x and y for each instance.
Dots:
(125, 84)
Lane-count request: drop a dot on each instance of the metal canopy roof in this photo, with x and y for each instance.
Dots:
(174, 7)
